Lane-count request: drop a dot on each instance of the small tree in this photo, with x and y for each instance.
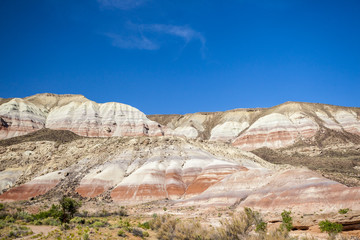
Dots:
(331, 228)
(286, 220)
(69, 207)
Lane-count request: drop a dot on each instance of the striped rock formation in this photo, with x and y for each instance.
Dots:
(102, 120)
(143, 169)
(277, 130)
(74, 113)
(164, 173)
(19, 117)
(275, 127)
(300, 190)
(35, 187)
(248, 129)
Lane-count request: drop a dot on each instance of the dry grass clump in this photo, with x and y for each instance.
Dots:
(170, 228)
(247, 225)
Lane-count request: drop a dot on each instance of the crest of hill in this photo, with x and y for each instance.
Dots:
(5, 100)
(51, 100)
(253, 113)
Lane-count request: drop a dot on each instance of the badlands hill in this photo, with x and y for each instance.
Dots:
(55, 145)
(75, 113)
(248, 129)
(275, 127)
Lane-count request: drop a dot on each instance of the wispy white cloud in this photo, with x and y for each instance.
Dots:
(121, 4)
(132, 42)
(183, 32)
(146, 36)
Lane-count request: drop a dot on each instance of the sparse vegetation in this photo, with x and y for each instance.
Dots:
(331, 228)
(286, 220)
(69, 207)
(344, 211)
(246, 225)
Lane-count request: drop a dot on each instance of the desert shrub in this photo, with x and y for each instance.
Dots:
(331, 228)
(2, 224)
(37, 222)
(158, 221)
(99, 223)
(145, 234)
(69, 207)
(121, 233)
(344, 211)
(169, 227)
(286, 220)
(145, 225)
(86, 236)
(53, 212)
(241, 225)
(137, 232)
(9, 219)
(279, 235)
(261, 227)
(125, 224)
(122, 212)
(2, 207)
(19, 231)
(51, 221)
(78, 220)
(27, 217)
(191, 230)
(90, 221)
(65, 226)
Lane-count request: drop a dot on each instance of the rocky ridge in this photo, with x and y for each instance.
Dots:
(275, 127)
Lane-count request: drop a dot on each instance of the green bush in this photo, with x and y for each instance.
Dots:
(2, 207)
(86, 236)
(330, 227)
(2, 224)
(261, 227)
(53, 212)
(145, 225)
(121, 233)
(78, 220)
(9, 219)
(146, 234)
(286, 220)
(98, 224)
(69, 207)
(27, 217)
(37, 222)
(344, 211)
(19, 231)
(51, 221)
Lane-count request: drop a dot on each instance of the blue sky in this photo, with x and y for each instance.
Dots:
(183, 56)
